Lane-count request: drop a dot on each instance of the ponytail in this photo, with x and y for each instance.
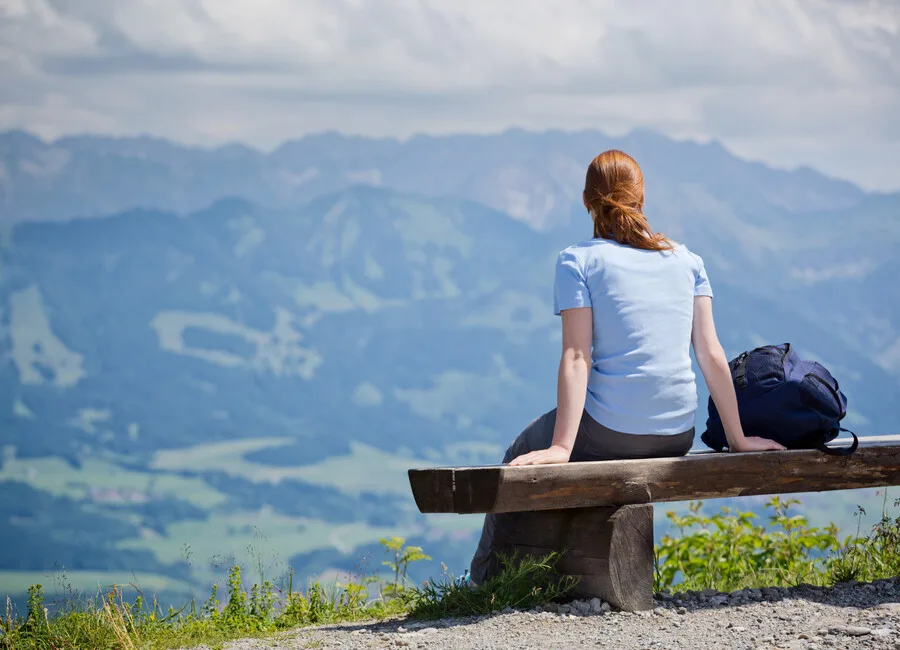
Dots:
(614, 195)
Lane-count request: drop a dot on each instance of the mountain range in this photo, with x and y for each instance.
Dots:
(205, 350)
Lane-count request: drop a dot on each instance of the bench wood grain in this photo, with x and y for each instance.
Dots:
(501, 488)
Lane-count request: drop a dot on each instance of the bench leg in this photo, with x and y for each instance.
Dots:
(609, 549)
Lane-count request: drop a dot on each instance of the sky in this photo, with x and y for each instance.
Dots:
(787, 82)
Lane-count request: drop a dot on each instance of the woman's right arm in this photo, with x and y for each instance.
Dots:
(714, 366)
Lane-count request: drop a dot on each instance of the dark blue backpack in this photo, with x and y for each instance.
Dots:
(785, 398)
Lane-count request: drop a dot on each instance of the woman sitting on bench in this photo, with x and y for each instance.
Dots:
(632, 303)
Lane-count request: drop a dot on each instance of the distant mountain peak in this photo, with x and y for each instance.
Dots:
(533, 176)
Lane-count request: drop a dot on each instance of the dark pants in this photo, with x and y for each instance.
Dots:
(594, 442)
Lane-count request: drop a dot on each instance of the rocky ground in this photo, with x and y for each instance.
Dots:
(807, 618)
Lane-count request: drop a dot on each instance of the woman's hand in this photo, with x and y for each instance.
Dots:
(551, 456)
(755, 443)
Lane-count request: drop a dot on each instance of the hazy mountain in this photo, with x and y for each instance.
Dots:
(176, 386)
(534, 177)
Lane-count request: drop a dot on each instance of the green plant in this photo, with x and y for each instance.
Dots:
(357, 598)
(875, 555)
(111, 621)
(728, 550)
(211, 607)
(522, 582)
(235, 611)
(403, 557)
(36, 619)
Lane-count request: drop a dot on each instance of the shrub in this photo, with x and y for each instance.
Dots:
(729, 550)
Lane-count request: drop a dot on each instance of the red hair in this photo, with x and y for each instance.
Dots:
(614, 195)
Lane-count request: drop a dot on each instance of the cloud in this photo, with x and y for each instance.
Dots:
(812, 82)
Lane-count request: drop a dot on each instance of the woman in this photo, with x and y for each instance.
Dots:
(632, 303)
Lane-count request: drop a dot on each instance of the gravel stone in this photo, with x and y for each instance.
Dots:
(852, 630)
(582, 607)
(846, 617)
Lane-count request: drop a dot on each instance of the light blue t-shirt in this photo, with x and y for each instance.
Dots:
(641, 378)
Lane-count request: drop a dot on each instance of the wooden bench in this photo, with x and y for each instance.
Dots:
(599, 513)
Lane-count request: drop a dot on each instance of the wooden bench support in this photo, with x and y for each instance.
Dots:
(610, 550)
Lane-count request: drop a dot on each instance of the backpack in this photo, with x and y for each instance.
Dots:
(785, 398)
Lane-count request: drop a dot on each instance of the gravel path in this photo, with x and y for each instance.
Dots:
(807, 618)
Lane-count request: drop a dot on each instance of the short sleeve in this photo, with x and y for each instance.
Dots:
(570, 289)
(701, 281)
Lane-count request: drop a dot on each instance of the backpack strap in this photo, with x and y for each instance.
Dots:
(841, 451)
(836, 395)
(740, 373)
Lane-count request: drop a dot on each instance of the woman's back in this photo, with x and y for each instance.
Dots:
(632, 303)
(641, 380)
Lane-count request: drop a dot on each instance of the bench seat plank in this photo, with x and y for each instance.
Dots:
(501, 488)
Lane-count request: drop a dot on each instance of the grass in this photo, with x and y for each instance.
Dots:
(727, 550)
(521, 583)
(109, 620)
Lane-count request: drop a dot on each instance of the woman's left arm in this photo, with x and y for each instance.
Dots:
(574, 369)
